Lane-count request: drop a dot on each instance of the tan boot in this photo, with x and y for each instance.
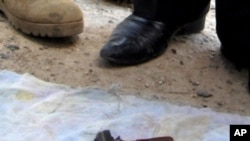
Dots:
(51, 18)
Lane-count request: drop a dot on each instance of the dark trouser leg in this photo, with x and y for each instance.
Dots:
(171, 10)
(233, 29)
(145, 34)
(146, 8)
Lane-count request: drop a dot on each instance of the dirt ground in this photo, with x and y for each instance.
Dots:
(191, 71)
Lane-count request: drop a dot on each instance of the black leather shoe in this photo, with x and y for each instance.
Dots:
(136, 39)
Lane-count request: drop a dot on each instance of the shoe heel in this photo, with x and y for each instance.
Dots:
(194, 27)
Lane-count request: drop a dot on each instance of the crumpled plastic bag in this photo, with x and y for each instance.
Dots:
(35, 110)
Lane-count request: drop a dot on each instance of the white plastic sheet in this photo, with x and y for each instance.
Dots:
(34, 110)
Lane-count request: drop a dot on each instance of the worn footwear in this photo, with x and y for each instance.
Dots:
(136, 39)
(145, 34)
(46, 18)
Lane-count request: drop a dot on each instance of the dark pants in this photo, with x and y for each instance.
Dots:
(233, 30)
(171, 10)
(232, 16)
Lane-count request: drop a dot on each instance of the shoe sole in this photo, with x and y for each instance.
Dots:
(43, 30)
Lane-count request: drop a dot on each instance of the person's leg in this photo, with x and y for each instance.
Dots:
(50, 18)
(146, 33)
(140, 7)
(171, 11)
(233, 30)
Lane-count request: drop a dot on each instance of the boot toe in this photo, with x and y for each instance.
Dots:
(120, 50)
(48, 12)
(51, 18)
(134, 41)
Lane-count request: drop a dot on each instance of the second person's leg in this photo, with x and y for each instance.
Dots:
(146, 32)
(233, 29)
